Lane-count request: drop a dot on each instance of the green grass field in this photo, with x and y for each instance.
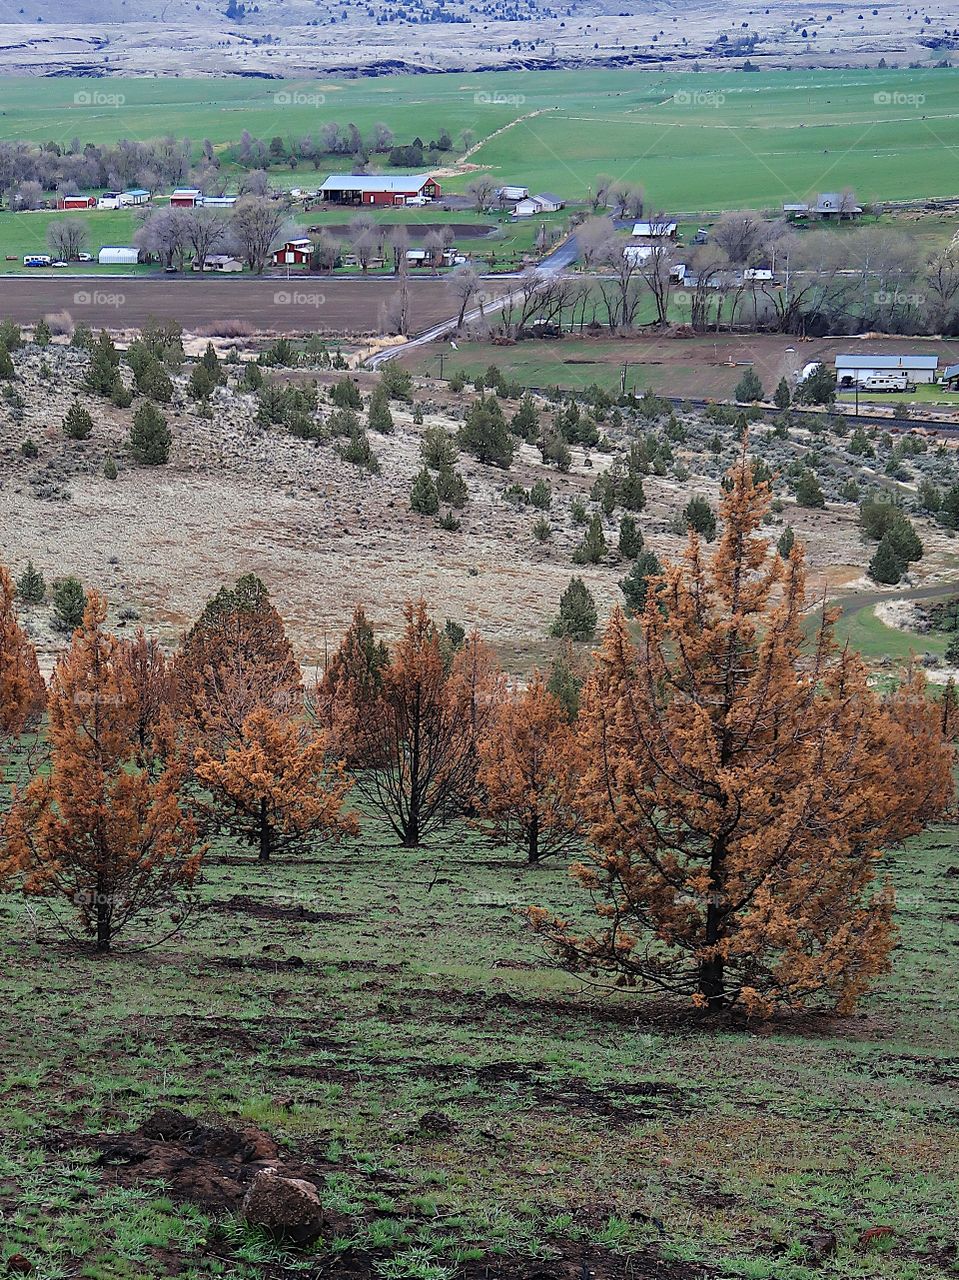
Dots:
(694, 142)
(503, 247)
(576, 1122)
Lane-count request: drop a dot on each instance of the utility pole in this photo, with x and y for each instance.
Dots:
(622, 383)
(442, 358)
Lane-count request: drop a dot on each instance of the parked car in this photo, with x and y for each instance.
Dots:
(84, 257)
(59, 263)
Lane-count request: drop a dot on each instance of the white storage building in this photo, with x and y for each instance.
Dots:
(851, 369)
(113, 255)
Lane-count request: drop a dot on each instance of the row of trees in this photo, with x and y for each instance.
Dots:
(867, 278)
(29, 172)
(731, 782)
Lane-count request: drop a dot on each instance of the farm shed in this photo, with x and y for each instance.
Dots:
(950, 377)
(511, 194)
(656, 229)
(851, 369)
(76, 202)
(355, 188)
(113, 255)
(134, 196)
(186, 198)
(218, 202)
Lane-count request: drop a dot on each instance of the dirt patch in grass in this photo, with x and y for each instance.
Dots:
(260, 910)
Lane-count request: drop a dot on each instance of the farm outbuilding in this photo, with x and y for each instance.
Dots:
(76, 202)
(218, 202)
(295, 253)
(655, 229)
(851, 369)
(356, 188)
(113, 255)
(950, 377)
(133, 197)
(511, 194)
(186, 198)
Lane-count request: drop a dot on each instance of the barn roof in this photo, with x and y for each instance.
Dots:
(375, 182)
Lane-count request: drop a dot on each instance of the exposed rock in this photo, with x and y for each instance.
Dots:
(289, 1208)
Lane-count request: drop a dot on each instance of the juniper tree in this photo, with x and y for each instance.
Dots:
(77, 425)
(748, 388)
(423, 496)
(630, 538)
(577, 616)
(593, 546)
(150, 437)
(69, 603)
(635, 586)
(30, 585)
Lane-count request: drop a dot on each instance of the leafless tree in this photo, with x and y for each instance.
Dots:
(941, 277)
(481, 190)
(399, 244)
(257, 225)
(67, 238)
(326, 251)
(622, 292)
(364, 247)
(593, 237)
(162, 233)
(464, 284)
(205, 231)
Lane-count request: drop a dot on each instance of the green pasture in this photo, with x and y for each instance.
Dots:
(392, 987)
(693, 141)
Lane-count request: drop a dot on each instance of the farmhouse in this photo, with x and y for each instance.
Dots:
(118, 256)
(851, 369)
(186, 198)
(533, 205)
(356, 188)
(829, 205)
(423, 258)
(134, 196)
(225, 263)
(295, 253)
(655, 229)
(76, 202)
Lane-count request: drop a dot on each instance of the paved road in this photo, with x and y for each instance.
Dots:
(497, 293)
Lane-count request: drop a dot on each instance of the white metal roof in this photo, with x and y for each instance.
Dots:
(887, 362)
(375, 182)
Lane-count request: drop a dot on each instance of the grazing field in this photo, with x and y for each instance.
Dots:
(695, 142)
(383, 1017)
(695, 367)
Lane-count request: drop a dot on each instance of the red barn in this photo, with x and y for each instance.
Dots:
(358, 188)
(295, 253)
(186, 198)
(76, 202)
